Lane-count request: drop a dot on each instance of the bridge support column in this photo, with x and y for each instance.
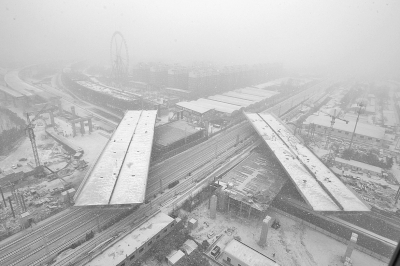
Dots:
(264, 231)
(82, 127)
(73, 129)
(350, 246)
(213, 207)
(90, 125)
(60, 109)
(73, 111)
(51, 118)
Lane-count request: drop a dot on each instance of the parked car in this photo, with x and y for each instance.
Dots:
(215, 251)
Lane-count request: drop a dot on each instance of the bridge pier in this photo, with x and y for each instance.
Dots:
(264, 231)
(73, 129)
(82, 127)
(90, 125)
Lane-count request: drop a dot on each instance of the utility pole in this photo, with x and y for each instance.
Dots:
(361, 105)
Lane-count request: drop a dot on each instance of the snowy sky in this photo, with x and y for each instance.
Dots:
(357, 36)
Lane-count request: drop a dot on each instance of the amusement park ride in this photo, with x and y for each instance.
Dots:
(119, 58)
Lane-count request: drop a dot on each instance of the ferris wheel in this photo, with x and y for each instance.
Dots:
(119, 57)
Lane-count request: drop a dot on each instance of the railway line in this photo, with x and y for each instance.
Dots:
(35, 245)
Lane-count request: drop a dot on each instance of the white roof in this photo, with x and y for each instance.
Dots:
(119, 175)
(271, 83)
(244, 96)
(219, 106)
(359, 164)
(307, 186)
(118, 252)
(201, 109)
(258, 92)
(175, 256)
(362, 128)
(247, 255)
(343, 196)
(179, 90)
(231, 100)
(189, 246)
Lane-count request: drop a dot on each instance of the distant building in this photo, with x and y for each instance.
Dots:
(237, 253)
(178, 77)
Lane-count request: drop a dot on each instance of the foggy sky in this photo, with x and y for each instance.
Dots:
(356, 36)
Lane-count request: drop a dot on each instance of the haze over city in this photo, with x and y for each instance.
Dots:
(360, 37)
(200, 132)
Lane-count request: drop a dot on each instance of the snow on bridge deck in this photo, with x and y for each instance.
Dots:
(321, 189)
(119, 175)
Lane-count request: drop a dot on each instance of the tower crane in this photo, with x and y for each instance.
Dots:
(334, 117)
(31, 134)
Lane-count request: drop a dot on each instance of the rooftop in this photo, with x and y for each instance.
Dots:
(118, 252)
(119, 175)
(172, 132)
(247, 255)
(244, 96)
(362, 128)
(231, 100)
(258, 92)
(194, 106)
(359, 164)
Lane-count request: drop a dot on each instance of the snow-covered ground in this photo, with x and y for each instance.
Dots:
(292, 244)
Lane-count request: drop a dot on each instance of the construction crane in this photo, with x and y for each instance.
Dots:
(31, 134)
(334, 117)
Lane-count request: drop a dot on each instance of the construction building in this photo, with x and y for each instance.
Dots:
(365, 133)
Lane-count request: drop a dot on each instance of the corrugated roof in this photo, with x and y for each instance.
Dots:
(343, 196)
(220, 106)
(258, 92)
(244, 96)
(231, 100)
(119, 175)
(201, 109)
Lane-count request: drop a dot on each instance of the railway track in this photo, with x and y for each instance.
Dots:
(66, 235)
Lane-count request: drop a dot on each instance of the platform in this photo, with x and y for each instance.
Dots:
(119, 176)
(317, 184)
